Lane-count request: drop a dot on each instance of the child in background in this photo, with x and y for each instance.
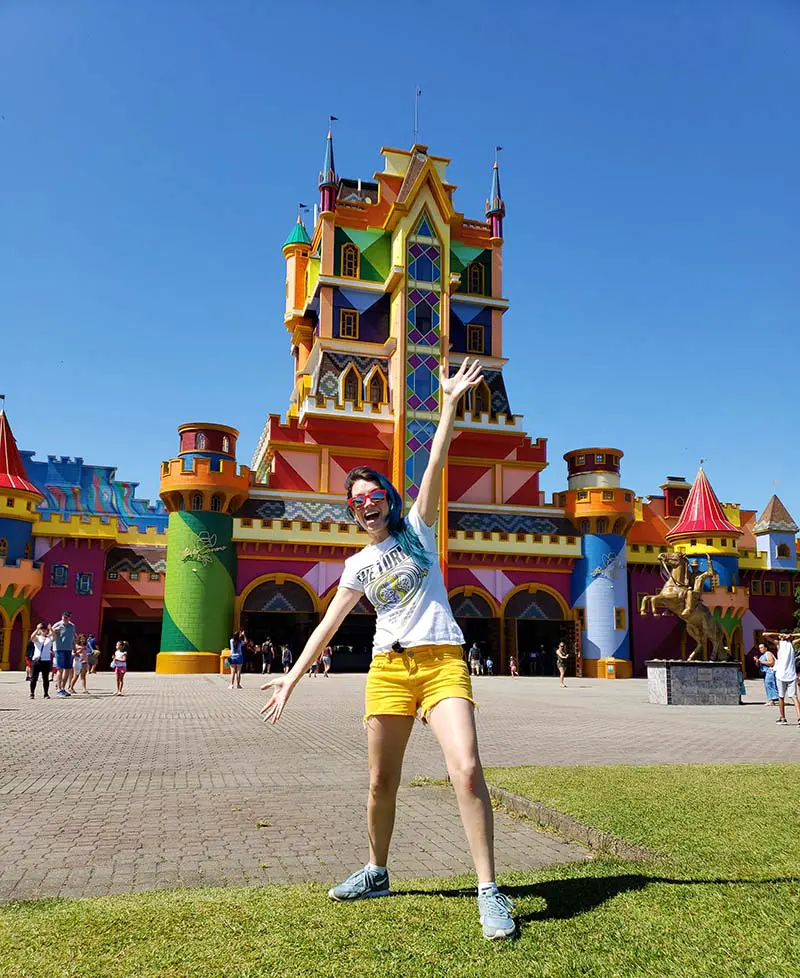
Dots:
(120, 665)
(512, 665)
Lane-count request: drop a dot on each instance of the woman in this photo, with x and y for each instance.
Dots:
(267, 655)
(42, 659)
(120, 665)
(417, 664)
(766, 663)
(80, 663)
(236, 659)
(326, 661)
(562, 657)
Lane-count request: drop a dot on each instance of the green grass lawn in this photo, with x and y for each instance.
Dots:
(719, 899)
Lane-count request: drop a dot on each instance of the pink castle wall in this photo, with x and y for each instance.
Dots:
(80, 556)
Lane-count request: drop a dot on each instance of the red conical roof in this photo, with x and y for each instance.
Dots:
(702, 513)
(12, 471)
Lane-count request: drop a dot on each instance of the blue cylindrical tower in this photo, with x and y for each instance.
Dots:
(603, 512)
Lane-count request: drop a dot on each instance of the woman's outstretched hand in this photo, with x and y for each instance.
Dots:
(282, 688)
(468, 375)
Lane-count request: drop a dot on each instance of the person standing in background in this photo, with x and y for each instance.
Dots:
(236, 659)
(267, 656)
(42, 659)
(92, 659)
(326, 660)
(286, 658)
(562, 658)
(765, 660)
(80, 663)
(63, 642)
(120, 665)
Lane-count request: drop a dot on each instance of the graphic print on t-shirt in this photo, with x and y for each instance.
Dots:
(392, 581)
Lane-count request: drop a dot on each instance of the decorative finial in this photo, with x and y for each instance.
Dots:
(417, 93)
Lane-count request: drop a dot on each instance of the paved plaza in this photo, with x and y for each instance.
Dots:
(179, 783)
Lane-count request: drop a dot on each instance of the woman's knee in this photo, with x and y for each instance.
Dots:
(383, 784)
(466, 773)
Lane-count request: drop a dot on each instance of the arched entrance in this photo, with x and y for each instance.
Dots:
(534, 621)
(352, 644)
(477, 619)
(280, 609)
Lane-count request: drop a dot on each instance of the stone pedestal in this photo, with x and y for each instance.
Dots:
(674, 682)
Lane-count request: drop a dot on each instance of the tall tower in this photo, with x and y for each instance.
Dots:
(604, 513)
(20, 580)
(705, 529)
(775, 536)
(202, 489)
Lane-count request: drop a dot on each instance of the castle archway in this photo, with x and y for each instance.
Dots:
(281, 607)
(535, 619)
(478, 618)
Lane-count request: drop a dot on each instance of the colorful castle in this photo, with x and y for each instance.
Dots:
(392, 286)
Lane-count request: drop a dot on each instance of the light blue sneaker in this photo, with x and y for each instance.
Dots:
(495, 910)
(362, 885)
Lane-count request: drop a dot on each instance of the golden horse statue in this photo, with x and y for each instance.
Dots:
(682, 594)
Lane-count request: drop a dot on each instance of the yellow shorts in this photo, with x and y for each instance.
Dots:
(401, 683)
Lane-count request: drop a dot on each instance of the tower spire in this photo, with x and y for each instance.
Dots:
(327, 178)
(495, 207)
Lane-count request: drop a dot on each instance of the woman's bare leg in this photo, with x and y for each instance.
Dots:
(387, 737)
(453, 725)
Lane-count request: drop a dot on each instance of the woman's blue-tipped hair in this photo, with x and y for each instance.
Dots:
(398, 526)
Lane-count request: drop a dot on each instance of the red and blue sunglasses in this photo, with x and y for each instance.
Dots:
(361, 500)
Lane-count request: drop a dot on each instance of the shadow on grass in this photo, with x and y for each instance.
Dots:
(571, 897)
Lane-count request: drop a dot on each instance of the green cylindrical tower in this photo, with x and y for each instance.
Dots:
(202, 489)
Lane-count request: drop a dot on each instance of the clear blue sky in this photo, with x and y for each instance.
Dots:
(152, 154)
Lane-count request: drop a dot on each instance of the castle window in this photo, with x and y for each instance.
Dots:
(783, 550)
(200, 442)
(59, 574)
(155, 577)
(583, 494)
(602, 526)
(376, 389)
(769, 587)
(783, 587)
(348, 324)
(3, 547)
(10, 502)
(28, 552)
(679, 501)
(619, 619)
(600, 459)
(112, 575)
(179, 502)
(581, 460)
(475, 339)
(709, 543)
(197, 501)
(627, 497)
(351, 386)
(83, 583)
(350, 261)
(724, 542)
(755, 587)
(133, 576)
(482, 399)
(226, 444)
(693, 543)
(608, 495)
(216, 504)
(585, 527)
(475, 278)
(562, 499)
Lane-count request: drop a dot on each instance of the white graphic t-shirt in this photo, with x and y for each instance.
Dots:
(410, 602)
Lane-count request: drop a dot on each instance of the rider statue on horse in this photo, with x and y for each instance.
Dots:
(682, 594)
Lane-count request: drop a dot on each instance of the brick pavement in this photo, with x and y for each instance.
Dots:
(179, 783)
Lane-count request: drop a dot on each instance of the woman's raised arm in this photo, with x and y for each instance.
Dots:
(468, 375)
